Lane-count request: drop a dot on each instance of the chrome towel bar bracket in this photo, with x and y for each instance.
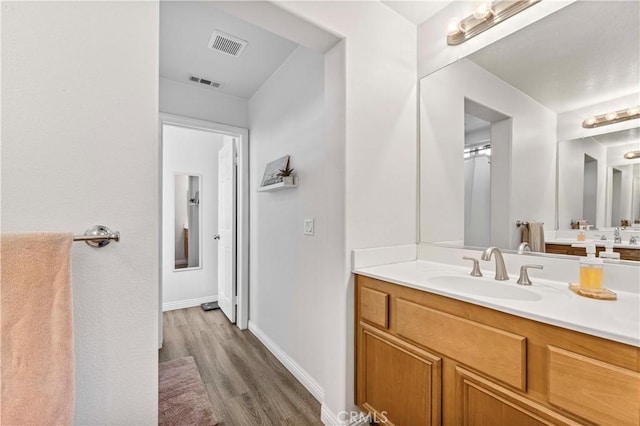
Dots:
(98, 236)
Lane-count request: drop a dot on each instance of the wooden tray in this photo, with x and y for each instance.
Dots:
(604, 295)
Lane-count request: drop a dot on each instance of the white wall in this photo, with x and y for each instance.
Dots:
(379, 65)
(370, 92)
(571, 180)
(204, 104)
(193, 152)
(531, 161)
(286, 267)
(80, 148)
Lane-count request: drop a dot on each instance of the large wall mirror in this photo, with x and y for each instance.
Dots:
(187, 238)
(501, 136)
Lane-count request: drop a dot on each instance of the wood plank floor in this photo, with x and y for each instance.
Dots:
(246, 384)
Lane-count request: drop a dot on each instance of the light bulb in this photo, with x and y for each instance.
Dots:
(590, 121)
(633, 111)
(611, 116)
(482, 11)
(454, 26)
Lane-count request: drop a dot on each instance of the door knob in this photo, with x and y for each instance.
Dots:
(216, 237)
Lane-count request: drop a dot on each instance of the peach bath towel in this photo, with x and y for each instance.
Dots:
(36, 330)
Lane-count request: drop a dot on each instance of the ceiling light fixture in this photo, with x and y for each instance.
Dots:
(454, 27)
(482, 11)
(611, 117)
(485, 15)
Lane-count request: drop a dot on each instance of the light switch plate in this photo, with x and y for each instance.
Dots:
(308, 227)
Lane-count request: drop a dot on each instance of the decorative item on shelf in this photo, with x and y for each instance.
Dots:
(485, 15)
(286, 175)
(272, 171)
(612, 118)
(277, 175)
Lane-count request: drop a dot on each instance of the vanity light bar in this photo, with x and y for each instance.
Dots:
(485, 15)
(632, 155)
(612, 117)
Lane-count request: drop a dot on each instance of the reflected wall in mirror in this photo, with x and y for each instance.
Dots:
(534, 88)
(187, 222)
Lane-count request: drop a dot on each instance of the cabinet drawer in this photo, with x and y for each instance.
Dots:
(593, 389)
(374, 307)
(494, 352)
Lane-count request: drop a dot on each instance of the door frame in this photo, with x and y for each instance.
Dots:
(242, 207)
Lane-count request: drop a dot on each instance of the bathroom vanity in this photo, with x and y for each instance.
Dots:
(627, 251)
(436, 346)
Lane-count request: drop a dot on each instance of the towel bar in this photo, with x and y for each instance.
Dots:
(98, 236)
(519, 223)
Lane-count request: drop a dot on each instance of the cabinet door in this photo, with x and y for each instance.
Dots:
(481, 402)
(398, 384)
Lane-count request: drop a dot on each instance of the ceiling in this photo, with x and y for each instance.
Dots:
(621, 137)
(564, 63)
(417, 11)
(185, 30)
(473, 123)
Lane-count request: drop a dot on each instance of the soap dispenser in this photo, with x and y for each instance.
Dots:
(590, 269)
(609, 253)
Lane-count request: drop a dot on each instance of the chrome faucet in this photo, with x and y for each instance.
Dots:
(523, 279)
(616, 236)
(501, 270)
(523, 247)
(633, 240)
(476, 266)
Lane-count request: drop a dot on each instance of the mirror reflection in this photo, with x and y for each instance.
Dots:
(187, 221)
(597, 186)
(501, 136)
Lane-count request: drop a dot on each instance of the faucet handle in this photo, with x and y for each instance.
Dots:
(524, 276)
(476, 266)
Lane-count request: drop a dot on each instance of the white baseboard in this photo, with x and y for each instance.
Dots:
(298, 372)
(188, 303)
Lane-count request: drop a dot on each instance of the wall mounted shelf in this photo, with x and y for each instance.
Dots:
(278, 186)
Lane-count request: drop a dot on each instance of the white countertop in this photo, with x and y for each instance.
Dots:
(546, 301)
(598, 243)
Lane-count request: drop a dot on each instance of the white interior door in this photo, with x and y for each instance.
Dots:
(227, 229)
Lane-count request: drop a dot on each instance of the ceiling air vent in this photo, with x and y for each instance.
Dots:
(204, 81)
(226, 43)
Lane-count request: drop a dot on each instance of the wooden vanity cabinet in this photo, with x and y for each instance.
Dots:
(424, 359)
(625, 253)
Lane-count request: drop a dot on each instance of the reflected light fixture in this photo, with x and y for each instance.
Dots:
(485, 15)
(631, 155)
(611, 117)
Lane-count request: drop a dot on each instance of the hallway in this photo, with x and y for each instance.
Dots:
(246, 384)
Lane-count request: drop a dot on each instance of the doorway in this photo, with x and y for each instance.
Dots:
(487, 155)
(204, 253)
(590, 190)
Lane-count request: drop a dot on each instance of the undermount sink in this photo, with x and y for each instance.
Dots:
(486, 288)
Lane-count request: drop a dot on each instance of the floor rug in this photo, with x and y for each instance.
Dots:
(182, 398)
